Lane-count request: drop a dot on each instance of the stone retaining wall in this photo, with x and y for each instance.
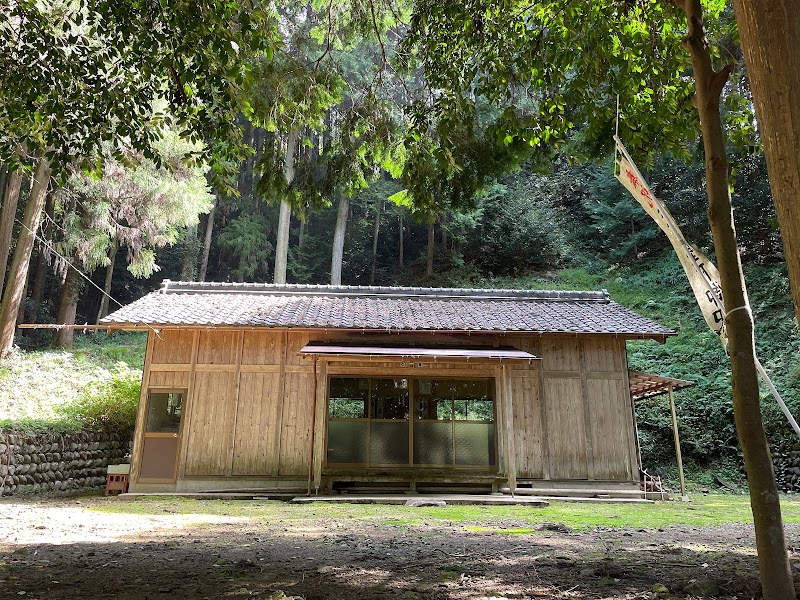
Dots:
(787, 470)
(40, 463)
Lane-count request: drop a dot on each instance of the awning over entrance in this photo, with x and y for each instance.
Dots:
(415, 352)
(647, 385)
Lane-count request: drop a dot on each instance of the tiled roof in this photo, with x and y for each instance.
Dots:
(383, 309)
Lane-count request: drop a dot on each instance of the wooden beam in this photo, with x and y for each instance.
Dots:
(141, 415)
(588, 426)
(677, 443)
(183, 442)
(511, 461)
(320, 423)
(237, 380)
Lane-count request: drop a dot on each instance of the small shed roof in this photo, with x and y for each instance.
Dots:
(362, 308)
(647, 385)
(416, 352)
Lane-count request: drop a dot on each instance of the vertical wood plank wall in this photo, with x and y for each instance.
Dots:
(572, 410)
(250, 407)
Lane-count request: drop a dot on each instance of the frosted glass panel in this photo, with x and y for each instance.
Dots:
(389, 443)
(347, 442)
(474, 443)
(433, 443)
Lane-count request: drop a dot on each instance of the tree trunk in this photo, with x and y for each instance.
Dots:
(189, 254)
(207, 241)
(282, 244)
(3, 179)
(375, 232)
(401, 250)
(112, 257)
(18, 273)
(21, 312)
(67, 308)
(41, 271)
(10, 200)
(431, 239)
(337, 256)
(301, 235)
(770, 35)
(443, 223)
(776, 578)
(39, 281)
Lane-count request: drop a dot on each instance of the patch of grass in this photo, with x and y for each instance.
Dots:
(406, 522)
(709, 510)
(501, 530)
(110, 404)
(36, 385)
(516, 531)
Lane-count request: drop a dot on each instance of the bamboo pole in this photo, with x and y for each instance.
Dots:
(684, 497)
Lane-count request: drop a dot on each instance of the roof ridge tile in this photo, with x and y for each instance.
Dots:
(183, 287)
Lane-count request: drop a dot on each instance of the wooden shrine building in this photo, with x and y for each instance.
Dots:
(267, 387)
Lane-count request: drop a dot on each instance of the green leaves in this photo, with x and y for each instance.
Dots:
(245, 239)
(135, 203)
(554, 64)
(74, 76)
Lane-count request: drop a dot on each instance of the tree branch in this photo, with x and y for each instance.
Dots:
(327, 37)
(719, 79)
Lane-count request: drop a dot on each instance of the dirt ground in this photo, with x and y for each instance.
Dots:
(85, 548)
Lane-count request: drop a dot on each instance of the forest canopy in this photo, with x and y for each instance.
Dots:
(380, 142)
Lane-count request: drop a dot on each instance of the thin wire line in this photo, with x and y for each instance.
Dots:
(51, 248)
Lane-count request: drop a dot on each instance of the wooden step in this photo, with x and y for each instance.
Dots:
(595, 500)
(584, 492)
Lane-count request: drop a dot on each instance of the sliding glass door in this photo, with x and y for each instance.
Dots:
(370, 423)
(454, 422)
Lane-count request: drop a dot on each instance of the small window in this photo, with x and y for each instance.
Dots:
(473, 400)
(434, 399)
(164, 412)
(348, 398)
(389, 399)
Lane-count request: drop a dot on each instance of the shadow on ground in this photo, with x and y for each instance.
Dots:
(364, 560)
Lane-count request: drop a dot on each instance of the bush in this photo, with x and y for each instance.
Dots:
(108, 405)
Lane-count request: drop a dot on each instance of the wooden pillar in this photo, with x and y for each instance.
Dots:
(141, 414)
(237, 383)
(510, 449)
(320, 422)
(186, 416)
(684, 497)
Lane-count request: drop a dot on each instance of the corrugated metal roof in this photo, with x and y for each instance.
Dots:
(410, 352)
(383, 309)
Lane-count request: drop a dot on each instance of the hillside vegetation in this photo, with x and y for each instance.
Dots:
(91, 385)
(571, 227)
(41, 385)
